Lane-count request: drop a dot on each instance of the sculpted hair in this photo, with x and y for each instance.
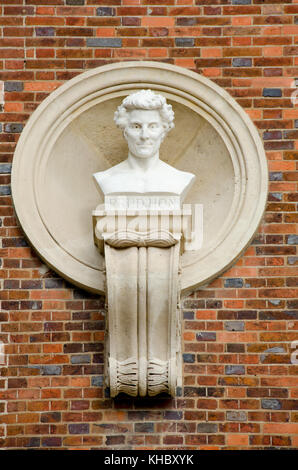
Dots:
(144, 99)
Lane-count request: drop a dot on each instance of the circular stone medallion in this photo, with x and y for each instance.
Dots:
(72, 135)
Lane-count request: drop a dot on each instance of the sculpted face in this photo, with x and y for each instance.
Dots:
(144, 132)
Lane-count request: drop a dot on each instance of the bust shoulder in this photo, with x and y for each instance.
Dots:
(107, 178)
(165, 179)
(183, 175)
(180, 180)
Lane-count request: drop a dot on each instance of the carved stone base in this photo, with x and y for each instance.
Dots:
(124, 376)
(158, 377)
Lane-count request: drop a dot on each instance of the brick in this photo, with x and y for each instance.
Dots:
(173, 440)
(206, 336)
(5, 168)
(78, 428)
(144, 427)
(114, 440)
(51, 370)
(13, 86)
(241, 62)
(234, 325)
(75, 2)
(195, 391)
(173, 415)
(272, 92)
(104, 42)
(44, 31)
(232, 370)
(280, 428)
(207, 404)
(157, 21)
(233, 282)
(236, 416)
(195, 440)
(189, 358)
(241, 2)
(292, 239)
(207, 428)
(97, 381)
(51, 442)
(184, 42)
(105, 11)
(271, 404)
(131, 21)
(17, 383)
(81, 359)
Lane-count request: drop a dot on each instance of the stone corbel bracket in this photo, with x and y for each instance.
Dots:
(143, 291)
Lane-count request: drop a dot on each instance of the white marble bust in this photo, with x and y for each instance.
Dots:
(145, 118)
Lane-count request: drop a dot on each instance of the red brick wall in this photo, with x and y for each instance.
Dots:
(239, 383)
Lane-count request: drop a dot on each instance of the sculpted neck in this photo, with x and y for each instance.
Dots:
(142, 164)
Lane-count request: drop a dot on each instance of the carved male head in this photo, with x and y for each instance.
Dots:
(145, 118)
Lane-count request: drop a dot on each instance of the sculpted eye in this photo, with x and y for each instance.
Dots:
(134, 125)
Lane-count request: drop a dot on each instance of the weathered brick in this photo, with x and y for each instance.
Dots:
(75, 2)
(206, 336)
(207, 428)
(236, 415)
(173, 415)
(271, 404)
(234, 325)
(241, 62)
(51, 370)
(13, 86)
(104, 42)
(78, 428)
(81, 359)
(190, 358)
(272, 92)
(195, 391)
(97, 381)
(232, 370)
(114, 440)
(241, 2)
(184, 42)
(105, 11)
(233, 282)
(45, 31)
(17, 383)
(292, 239)
(144, 427)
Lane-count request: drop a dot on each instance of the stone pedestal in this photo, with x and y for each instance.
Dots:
(142, 251)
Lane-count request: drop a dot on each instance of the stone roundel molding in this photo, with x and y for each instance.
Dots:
(50, 180)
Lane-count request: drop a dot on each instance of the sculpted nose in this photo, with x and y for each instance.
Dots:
(144, 132)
